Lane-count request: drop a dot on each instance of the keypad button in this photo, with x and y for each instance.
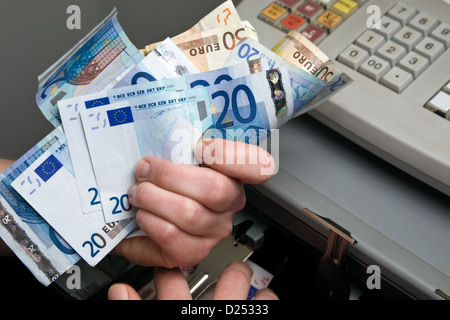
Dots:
(440, 104)
(392, 52)
(345, 7)
(314, 34)
(310, 10)
(414, 63)
(293, 22)
(442, 33)
(273, 12)
(397, 79)
(353, 56)
(430, 48)
(402, 13)
(329, 20)
(388, 27)
(424, 23)
(370, 41)
(375, 68)
(408, 37)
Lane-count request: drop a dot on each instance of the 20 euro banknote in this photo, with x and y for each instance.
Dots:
(119, 136)
(48, 185)
(45, 253)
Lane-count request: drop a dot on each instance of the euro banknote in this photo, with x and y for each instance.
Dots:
(309, 91)
(96, 61)
(118, 137)
(209, 49)
(241, 108)
(302, 53)
(224, 15)
(45, 253)
(48, 185)
(165, 61)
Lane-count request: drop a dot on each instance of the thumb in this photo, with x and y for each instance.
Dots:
(121, 291)
(245, 162)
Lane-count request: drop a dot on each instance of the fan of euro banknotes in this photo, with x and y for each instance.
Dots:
(112, 104)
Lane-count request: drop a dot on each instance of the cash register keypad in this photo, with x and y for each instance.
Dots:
(400, 48)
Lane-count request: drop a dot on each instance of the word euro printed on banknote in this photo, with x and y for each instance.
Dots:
(209, 49)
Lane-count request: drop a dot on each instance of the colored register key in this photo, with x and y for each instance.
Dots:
(314, 34)
(345, 7)
(329, 20)
(273, 11)
(310, 10)
(293, 22)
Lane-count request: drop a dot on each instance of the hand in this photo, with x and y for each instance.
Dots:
(186, 210)
(5, 164)
(170, 284)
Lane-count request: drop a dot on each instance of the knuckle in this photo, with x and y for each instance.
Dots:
(191, 211)
(169, 234)
(221, 191)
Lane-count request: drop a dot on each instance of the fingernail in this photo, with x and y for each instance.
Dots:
(118, 292)
(132, 193)
(142, 169)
